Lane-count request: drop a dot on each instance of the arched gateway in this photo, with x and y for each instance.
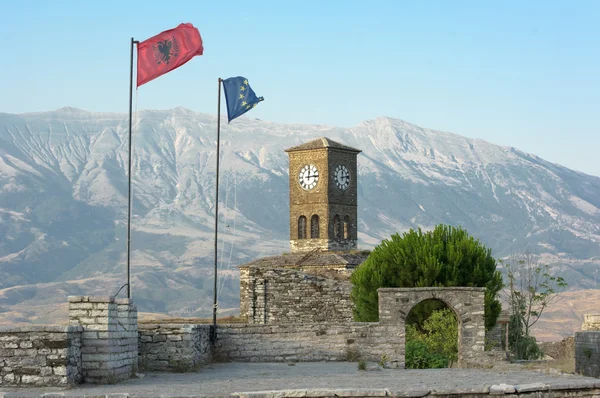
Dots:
(466, 302)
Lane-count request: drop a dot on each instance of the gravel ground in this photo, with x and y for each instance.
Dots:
(227, 378)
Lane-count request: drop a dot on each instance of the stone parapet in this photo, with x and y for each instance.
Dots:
(109, 351)
(40, 356)
(591, 322)
(310, 342)
(587, 353)
(174, 347)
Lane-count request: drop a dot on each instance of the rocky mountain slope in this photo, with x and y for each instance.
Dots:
(63, 202)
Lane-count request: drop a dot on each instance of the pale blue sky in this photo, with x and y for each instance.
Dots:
(519, 73)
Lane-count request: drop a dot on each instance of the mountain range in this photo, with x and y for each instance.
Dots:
(63, 203)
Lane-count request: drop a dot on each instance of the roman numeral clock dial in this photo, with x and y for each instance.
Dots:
(308, 177)
(341, 175)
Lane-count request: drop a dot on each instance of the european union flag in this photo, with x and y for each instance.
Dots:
(239, 96)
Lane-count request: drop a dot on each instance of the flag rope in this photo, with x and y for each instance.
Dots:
(224, 222)
(233, 235)
(133, 130)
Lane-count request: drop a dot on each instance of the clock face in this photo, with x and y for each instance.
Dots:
(341, 177)
(308, 177)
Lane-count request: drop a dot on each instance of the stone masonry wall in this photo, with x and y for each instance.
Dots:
(278, 295)
(110, 337)
(40, 356)
(591, 322)
(587, 353)
(310, 342)
(466, 302)
(177, 348)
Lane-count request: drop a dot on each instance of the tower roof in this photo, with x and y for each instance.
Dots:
(315, 258)
(322, 142)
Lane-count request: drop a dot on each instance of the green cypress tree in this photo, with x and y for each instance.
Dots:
(446, 256)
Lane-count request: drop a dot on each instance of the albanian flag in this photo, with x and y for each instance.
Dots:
(167, 51)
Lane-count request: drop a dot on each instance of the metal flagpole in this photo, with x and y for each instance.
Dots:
(129, 173)
(217, 213)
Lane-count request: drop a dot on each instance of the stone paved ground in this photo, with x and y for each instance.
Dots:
(224, 379)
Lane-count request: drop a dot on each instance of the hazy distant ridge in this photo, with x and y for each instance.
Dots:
(63, 188)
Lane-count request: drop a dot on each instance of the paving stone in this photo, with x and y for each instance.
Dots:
(499, 389)
(531, 387)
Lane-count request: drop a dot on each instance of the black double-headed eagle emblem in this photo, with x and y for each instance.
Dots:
(166, 49)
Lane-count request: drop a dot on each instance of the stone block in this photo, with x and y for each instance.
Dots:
(501, 389)
(53, 362)
(89, 335)
(98, 327)
(30, 379)
(98, 313)
(101, 299)
(530, 387)
(95, 358)
(79, 313)
(26, 352)
(89, 350)
(360, 392)
(77, 299)
(45, 371)
(80, 306)
(26, 344)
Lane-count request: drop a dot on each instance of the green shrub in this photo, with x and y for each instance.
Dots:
(439, 335)
(446, 256)
(418, 356)
(362, 364)
(522, 346)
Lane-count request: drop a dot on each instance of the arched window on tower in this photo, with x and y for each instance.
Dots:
(337, 226)
(301, 227)
(314, 226)
(347, 227)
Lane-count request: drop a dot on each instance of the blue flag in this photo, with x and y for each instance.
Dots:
(239, 96)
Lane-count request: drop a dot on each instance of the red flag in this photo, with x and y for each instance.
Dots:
(167, 51)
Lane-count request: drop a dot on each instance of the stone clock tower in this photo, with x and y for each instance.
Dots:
(323, 196)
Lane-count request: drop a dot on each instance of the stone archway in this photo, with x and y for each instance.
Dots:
(466, 302)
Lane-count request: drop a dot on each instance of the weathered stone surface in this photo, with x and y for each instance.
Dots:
(177, 348)
(320, 205)
(521, 388)
(591, 322)
(292, 296)
(360, 392)
(587, 353)
(499, 389)
(409, 393)
(310, 342)
(106, 353)
(40, 353)
(466, 302)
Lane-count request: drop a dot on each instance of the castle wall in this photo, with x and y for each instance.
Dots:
(275, 295)
(587, 353)
(40, 356)
(466, 302)
(174, 347)
(244, 291)
(109, 351)
(323, 341)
